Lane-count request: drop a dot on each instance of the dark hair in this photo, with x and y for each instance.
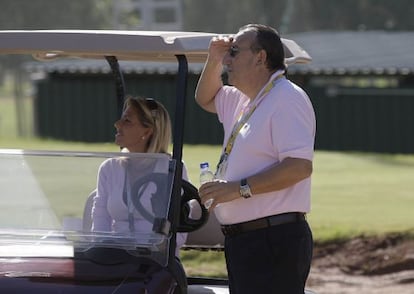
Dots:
(268, 39)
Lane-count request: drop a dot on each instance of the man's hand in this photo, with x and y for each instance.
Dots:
(216, 192)
(210, 80)
(219, 46)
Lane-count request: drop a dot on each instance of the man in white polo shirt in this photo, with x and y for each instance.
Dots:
(266, 163)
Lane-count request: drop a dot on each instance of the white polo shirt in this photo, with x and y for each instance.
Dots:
(283, 125)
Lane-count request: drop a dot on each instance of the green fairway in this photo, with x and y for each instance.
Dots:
(355, 193)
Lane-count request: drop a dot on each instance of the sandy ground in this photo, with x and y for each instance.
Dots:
(380, 265)
(334, 281)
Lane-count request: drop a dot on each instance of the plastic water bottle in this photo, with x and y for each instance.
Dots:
(206, 175)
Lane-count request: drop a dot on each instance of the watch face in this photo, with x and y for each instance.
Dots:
(245, 189)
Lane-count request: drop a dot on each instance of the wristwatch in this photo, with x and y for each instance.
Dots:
(245, 191)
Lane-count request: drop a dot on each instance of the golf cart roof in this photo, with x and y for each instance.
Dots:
(125, 45)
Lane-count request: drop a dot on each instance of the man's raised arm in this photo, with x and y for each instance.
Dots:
(210, 80)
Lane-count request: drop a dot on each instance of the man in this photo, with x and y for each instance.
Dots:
(264, 189)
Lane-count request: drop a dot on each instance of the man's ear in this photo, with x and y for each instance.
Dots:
(261, 57)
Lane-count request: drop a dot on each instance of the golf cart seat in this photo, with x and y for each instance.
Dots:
(208, 236)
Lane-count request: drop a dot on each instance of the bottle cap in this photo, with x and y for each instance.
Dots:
(204, 165)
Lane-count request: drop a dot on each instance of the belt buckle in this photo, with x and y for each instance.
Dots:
(230, 230)
(233, 230)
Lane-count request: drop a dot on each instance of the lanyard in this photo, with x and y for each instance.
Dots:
(241, 121)
(244, 117)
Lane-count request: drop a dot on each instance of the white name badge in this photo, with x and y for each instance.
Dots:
(222, 166)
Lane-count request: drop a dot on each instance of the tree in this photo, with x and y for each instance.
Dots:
(55, 14)
(46, 14)
(290, 16)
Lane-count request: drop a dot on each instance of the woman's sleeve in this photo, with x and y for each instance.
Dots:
(101, 220)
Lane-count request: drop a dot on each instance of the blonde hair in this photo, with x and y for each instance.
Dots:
(152, 114)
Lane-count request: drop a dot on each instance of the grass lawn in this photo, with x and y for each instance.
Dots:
(357, 193)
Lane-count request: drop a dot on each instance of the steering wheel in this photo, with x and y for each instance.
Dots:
(188, 224)
(159, 202)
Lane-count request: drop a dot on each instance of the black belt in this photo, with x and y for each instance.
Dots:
(261, 223)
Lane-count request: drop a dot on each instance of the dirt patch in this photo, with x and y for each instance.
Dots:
(364, 265)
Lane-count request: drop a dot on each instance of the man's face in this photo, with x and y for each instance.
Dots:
(241, 59)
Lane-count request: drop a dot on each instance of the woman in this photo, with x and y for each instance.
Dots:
(144, 127)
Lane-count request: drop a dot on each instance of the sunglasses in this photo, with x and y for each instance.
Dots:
(234, 50)
(151, 104)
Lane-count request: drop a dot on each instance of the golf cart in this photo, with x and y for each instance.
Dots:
(46, 245)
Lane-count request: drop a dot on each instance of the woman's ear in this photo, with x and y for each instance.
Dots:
(147, 133)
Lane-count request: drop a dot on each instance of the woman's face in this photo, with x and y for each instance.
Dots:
(131, 134)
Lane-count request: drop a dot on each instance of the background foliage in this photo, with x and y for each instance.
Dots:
(48, 14)
(290, 16)
(220, 16)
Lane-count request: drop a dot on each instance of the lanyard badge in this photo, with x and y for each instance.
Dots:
(222, 166)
